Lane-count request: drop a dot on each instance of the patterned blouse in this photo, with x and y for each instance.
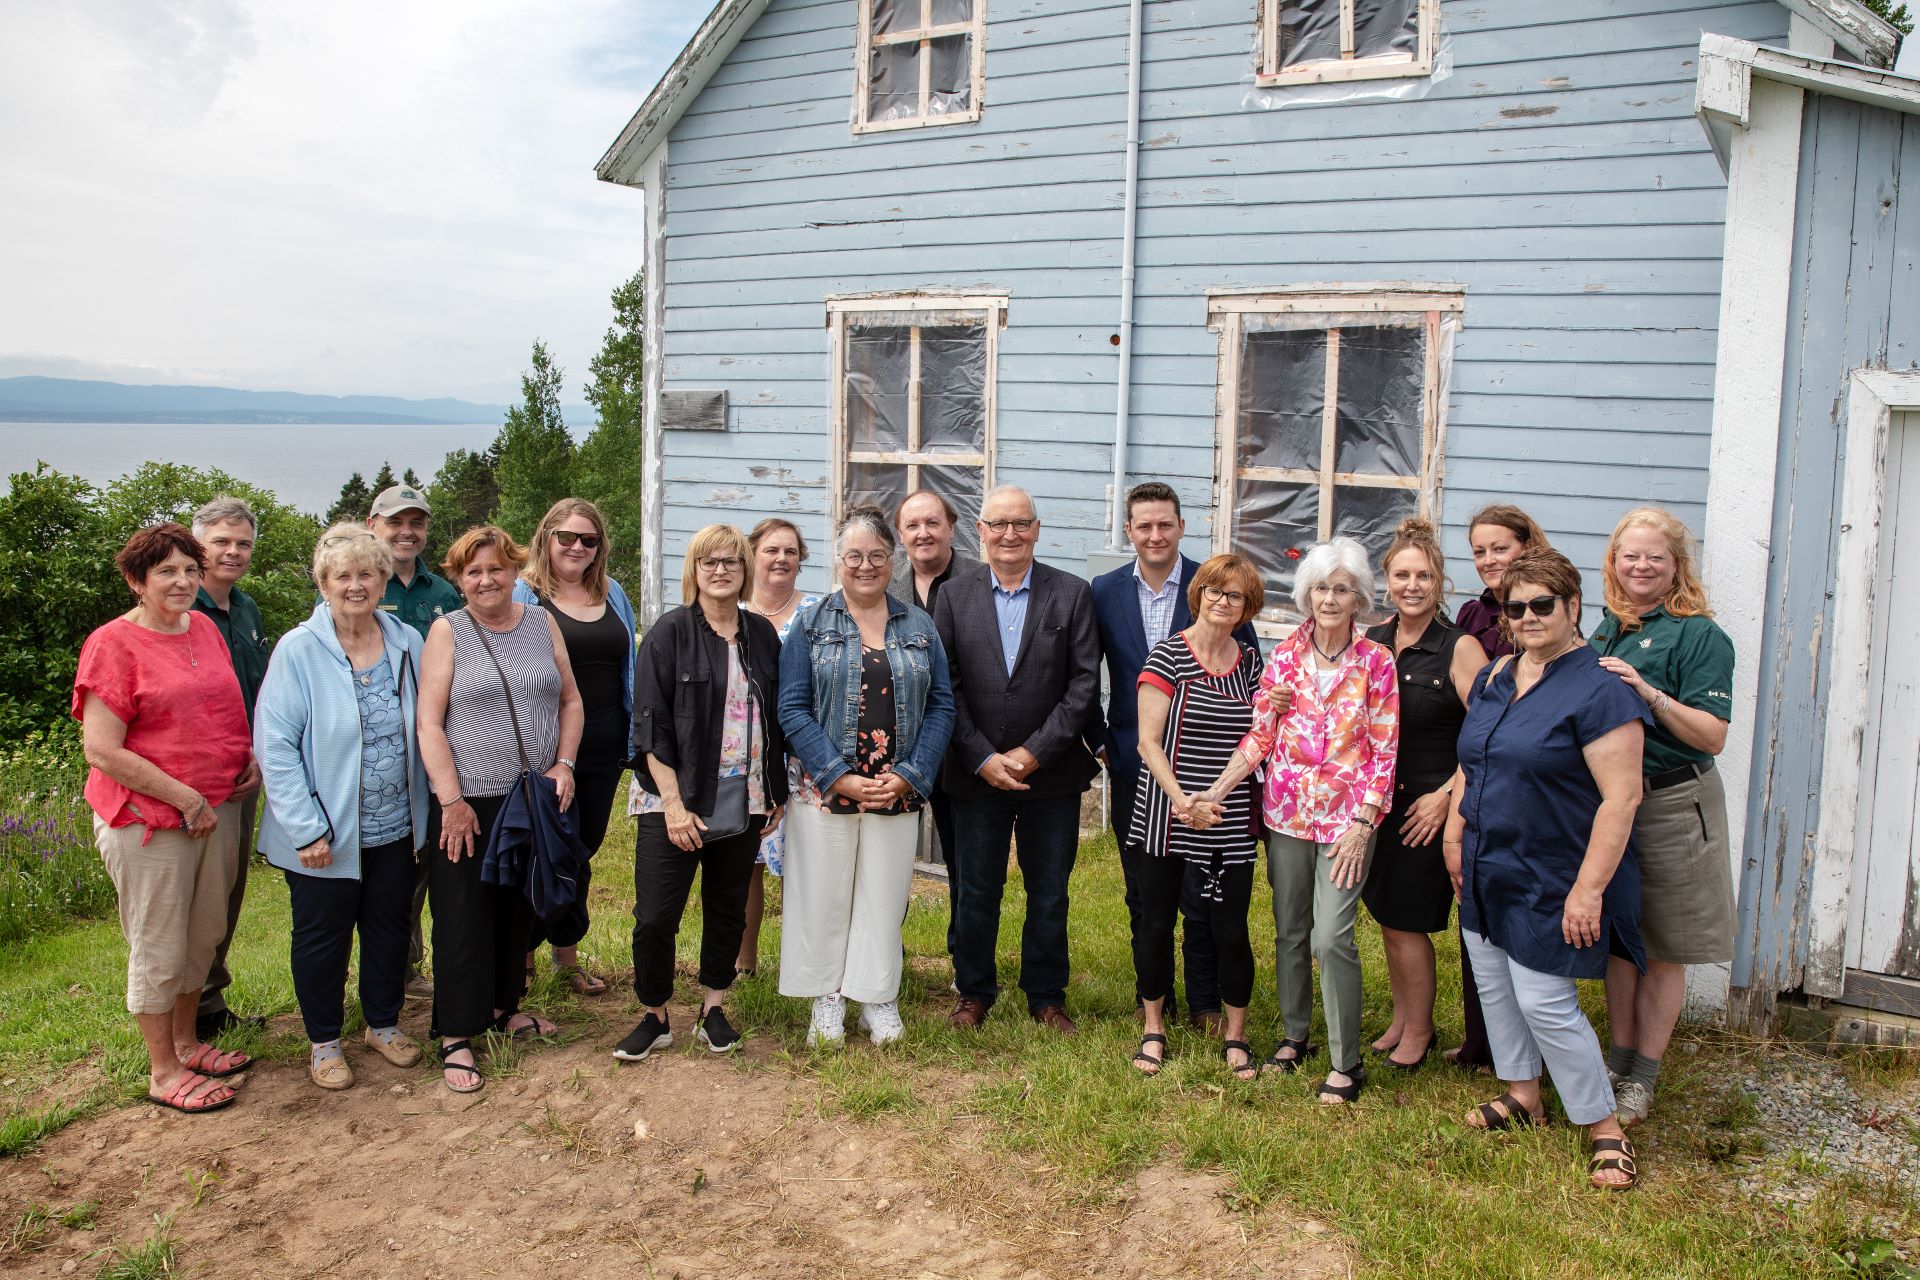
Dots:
(741, 746)
(1329, 755)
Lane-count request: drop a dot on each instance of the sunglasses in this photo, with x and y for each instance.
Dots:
(591, 541)
(1541, 606)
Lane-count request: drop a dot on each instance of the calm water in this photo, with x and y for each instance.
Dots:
(304, 465)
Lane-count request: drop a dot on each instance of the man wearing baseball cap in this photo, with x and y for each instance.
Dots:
(400, 518)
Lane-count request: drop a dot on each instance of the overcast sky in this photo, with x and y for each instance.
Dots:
(350, 197)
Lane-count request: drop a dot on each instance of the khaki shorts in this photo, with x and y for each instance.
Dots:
(1686, 875)
(173, 903)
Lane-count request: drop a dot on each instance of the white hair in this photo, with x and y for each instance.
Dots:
(1327, 559)
(872, 519)
(219, 511)
(1001, 489)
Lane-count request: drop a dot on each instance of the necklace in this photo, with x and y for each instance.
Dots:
(1336, 655)
(774, 613)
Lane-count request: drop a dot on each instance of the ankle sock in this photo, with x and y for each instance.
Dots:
(1619, 1059)
(1646, 1070)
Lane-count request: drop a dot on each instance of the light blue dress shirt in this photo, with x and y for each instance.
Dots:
(1011, 609)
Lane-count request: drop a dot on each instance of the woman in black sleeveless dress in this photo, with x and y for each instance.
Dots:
(1408, 889)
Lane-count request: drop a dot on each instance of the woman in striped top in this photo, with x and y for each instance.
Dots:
(1196, 704)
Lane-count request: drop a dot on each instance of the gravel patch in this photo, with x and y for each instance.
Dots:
(1807, 1107)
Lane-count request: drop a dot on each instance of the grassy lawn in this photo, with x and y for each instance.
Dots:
(1398, 1173)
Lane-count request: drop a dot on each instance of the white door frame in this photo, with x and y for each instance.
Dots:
(1873, 398)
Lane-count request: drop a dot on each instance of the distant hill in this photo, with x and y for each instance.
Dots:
(35, 399)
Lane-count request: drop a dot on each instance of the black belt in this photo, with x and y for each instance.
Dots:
(1674, 777)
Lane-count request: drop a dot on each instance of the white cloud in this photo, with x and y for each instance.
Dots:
(351, 197)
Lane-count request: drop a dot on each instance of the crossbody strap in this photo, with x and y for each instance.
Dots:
(526, 765)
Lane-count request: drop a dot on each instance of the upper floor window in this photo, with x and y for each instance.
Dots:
(921, 62)
(1310, 41)
(1330, 421)
(912, 401)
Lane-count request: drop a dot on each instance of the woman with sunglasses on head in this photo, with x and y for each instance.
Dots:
(867, 709)
(1540, 847)
(1660, 638)
(709, 779)
(566, 575)
(346, 814)
(779, 550)
(1326, 727)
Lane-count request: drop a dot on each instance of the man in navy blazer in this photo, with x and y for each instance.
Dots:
(1137, 606)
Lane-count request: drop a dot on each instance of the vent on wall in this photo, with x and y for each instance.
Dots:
(693, 410)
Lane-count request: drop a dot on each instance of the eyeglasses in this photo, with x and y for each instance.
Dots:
(1541, 606)
(339, 538)
(568, 537)
(1018, 526)
(876, 559)
(1214, 595)
(720, 564)
(1338, 590)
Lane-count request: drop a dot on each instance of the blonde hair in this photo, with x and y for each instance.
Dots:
(715, 538)
(350, 546)
(1687, 598)
(539, 571)
(1416, 534)
(473, 541)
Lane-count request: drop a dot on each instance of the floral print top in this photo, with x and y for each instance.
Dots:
(385, 808)
(773, 849)
(1330, 754)
(741, 747)
(873, 739)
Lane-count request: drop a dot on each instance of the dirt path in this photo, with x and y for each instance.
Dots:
(684, 1165)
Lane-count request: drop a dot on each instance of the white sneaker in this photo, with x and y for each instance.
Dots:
(829, 1025)
(1631, 1103)
(882, 1022)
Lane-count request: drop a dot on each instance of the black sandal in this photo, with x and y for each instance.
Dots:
(1302, 1048)
(1152, 1037)
(531, 1031)
(1516, 1116)
(1249, 1067)
(1356, 1076)
(1613, 1155)
(447, 1051)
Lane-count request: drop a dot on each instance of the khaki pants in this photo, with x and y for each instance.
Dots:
(173, 903)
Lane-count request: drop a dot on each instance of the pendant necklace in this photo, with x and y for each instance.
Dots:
(1333, 659)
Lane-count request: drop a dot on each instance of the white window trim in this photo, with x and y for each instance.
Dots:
(865, 42)
(1226, 310)
(992, 310)
(1349, 68)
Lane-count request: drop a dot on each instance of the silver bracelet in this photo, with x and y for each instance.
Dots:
(1660, 704)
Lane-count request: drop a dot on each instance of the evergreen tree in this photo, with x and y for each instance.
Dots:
(464, 493)
(1894, 12)
(409, 479)
(533, 453)
(607, 468)
(356, 497)
(383, 480)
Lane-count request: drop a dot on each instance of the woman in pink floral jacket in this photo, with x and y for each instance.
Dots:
(1326, 729)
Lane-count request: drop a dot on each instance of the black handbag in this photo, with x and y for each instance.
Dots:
(729, 816)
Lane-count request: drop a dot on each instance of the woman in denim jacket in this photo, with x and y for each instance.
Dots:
(867, 709)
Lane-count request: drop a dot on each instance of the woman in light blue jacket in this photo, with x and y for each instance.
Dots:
(346, 807)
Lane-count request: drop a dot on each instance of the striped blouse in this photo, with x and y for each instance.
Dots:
(479, 727)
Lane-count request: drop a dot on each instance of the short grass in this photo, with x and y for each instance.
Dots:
(1398, 1173)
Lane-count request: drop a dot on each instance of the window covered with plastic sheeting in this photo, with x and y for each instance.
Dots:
(921, 63)
(913, 401)
(1332, 421)
(1313, 41)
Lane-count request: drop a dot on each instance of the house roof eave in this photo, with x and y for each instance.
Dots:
(1854, 28)
(723, 28)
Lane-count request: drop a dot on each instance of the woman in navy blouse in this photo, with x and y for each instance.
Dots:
(1540, 848)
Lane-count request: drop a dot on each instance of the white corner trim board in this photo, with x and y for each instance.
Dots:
(1874, 396)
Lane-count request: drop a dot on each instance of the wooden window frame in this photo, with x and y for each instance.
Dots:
(865, 42)
(992, 310)
(1417, 305)
(1347, 66)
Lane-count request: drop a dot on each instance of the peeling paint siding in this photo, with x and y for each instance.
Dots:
(1558, 176)
(1852, 304)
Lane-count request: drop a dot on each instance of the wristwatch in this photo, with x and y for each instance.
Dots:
(563, 760)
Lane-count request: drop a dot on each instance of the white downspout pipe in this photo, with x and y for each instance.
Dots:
(1123, 391)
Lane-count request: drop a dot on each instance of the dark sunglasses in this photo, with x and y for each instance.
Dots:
(591, 541)
(1541, 606)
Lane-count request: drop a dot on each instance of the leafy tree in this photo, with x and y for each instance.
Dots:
(356, 496)
(607, 468)
(534, 453)
(464, 493)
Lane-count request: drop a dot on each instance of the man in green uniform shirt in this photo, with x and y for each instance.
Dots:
(226, 528)
(400, 518)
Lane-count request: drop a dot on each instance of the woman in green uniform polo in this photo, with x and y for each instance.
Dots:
(1660, 637)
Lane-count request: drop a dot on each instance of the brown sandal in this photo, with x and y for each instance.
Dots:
(582, 982)
(1612, 1155)
(1506, 1112)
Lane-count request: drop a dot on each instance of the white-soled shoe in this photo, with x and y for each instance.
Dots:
(1631, 1103)
(829, 1026)
(882, 1022)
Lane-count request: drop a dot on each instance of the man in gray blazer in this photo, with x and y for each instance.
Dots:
(1023, 653)
(926, 521)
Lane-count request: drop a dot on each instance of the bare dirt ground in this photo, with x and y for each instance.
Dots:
(575, 1165)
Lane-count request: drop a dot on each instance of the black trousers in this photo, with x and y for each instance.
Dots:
(596, 785)
(480, 936)
(213, 996)
(662, 881)
(1166, 886)
(326, 911)
(942, 805)
(1198, 947)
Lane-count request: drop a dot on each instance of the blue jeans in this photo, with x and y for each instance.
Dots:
(1048, 828)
